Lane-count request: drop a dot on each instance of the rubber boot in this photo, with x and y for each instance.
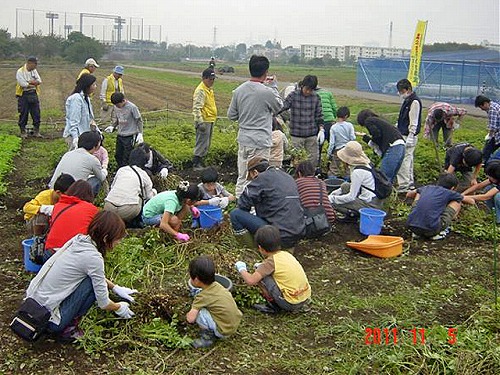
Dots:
(197, 163)
(245, 239)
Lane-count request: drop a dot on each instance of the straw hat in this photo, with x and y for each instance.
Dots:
(353, 154)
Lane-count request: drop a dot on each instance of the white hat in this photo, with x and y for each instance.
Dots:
(91, 61)
(353, 154)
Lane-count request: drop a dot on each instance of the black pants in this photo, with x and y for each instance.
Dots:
(124, 145)
(28, 104)
(489, 148)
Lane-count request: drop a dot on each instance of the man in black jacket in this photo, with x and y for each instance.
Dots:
(157, 164)
(275, 197)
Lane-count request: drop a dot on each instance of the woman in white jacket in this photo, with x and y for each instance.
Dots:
(79, 112)
(73, 279)
(131, 188)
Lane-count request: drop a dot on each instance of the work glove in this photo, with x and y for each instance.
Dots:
(257, 265)
(164, 173)
(215, 201)
(182, 236)
(109, 129)
(105, 172)
(139, 138)
(487, 137)
(124, 292)
(75, 143)
(46, 209)
(124, 311)
(455, 126)
(195, 212)
(411, 140)
(154, 191)
(321, 137)
(224, 201)
(241, 266)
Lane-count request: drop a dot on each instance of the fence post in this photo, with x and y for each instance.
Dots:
(462, 81)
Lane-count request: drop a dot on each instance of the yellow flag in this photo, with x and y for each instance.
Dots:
(416, 53)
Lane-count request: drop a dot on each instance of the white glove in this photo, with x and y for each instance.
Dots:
(124, 311)
(321, 137)
(488, 137)
(456, 125)
(75, 143)
(154, 191)
(104, 172)
(164, 173)
(46, 209)
(411, 140)
(109, 129)
(224, 201)
(257, 265)
(240, 266)
(124, 292)
(214, 201)
(139, 138)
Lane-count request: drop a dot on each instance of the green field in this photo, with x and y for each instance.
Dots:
(360, 304)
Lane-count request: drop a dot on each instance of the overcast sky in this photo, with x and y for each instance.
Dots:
(330, 22)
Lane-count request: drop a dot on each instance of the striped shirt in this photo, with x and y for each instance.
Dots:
(494, 120)
(449, 111)
(309, 193)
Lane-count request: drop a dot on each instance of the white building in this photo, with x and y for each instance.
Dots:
(310, 51)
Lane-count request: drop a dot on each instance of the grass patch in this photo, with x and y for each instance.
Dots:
(10, 147)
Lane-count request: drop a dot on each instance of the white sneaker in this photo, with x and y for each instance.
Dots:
(441, 234)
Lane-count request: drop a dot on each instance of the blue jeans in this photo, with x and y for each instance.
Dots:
(75, 305)
(489, 148)
(96, 185)
(392, 160)
(241, 219)
(153, 221)
(205, 321)
(494, 203)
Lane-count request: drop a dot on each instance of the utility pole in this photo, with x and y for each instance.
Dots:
(214, 41)
(119, 25)
(390, 35)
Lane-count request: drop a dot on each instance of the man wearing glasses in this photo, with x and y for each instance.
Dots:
(27, 91)
(205, 114)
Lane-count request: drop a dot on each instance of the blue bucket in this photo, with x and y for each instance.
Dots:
(28, 264)
(210, 216)
(371, 221)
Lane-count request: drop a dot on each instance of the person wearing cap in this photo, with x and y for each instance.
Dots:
(90, 68)
(306, 118)
(359, 192)
(111, 84)
(205, 114)
(253, 105)
(27, 92)
(276, 199)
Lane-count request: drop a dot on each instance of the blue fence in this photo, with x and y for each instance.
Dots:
(448, 81)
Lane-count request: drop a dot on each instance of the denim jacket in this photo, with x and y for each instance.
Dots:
(79, 114)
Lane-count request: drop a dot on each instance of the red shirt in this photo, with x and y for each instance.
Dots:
(309, 192)
(75, 220)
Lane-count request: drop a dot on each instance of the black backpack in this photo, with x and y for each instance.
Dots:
(383, 187)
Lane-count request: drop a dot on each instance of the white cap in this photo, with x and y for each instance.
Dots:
(91, 61)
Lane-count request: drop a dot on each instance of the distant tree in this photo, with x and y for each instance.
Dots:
(8, 46)
(277, 45)
(32, 44)
(295, 59)
(221, 53)
(450, 46)
(79, 47)
(53, 45)
(269, 44)
(316, 62)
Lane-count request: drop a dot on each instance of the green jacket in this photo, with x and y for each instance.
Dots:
(328, 104)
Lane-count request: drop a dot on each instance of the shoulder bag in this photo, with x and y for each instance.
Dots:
(317, 224)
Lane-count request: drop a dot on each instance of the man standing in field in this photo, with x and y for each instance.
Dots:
(410, 117)
(27, 91)
(205, 114)
(111, 84)
(90, 68)
(253, 105)
(492, 141)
